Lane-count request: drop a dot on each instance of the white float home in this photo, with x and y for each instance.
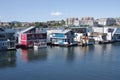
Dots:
(106, 33)
(82, 34)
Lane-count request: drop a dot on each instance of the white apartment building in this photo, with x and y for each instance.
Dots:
(72, 21)
(76, 22)
(117, 21)
(106, 21)
(87, 21)
(83, 21)
(4, 23)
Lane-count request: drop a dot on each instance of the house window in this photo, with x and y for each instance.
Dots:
(3, 44)
(53, 34)
(53, 40)
(110, 30)
(65, 40)
(60, 40)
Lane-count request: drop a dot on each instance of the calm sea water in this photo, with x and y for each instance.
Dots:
(98, 62)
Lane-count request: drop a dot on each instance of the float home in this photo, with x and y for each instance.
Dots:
(82, 35)
(7, 39)
(33, 37)
(62, 37)
(106, 34)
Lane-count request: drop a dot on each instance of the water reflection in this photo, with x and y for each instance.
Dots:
(98, 62)
(7, 59)
(73, 53)
(70, 56)
(31, 54)
(84, 50)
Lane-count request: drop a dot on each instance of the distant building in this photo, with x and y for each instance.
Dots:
(25, 24)
(4, 23)
(117, 21)
(76, 22)
(87, 21)
(72, 21)
(82, 21)
(106, 21)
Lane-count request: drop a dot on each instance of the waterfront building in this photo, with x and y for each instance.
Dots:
(82, 34)
(106, 33)
(7, 39)
(62, 37)
(106, 21)
(49, 32)
(33, 36)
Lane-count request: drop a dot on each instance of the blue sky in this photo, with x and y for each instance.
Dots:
(44, 10)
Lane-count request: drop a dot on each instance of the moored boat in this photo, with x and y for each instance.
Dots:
(40, 45)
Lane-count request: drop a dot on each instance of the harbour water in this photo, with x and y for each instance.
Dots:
(94, 62)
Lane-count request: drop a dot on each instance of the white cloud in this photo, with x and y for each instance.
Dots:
(56, 14)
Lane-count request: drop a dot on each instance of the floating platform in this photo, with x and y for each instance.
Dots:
(64, 45)
(106, 42)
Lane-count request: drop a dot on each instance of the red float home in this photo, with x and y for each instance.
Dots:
(33, 36)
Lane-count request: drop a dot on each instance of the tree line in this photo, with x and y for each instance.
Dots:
(16, 24)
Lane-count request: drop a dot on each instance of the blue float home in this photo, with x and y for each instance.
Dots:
(62, 37)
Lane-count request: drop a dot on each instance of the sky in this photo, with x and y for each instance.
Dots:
(45, 10)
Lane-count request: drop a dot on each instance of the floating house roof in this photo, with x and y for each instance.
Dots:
(73, 27)
(25, 30)
(61, 31)
(7, 30)
(10, 30)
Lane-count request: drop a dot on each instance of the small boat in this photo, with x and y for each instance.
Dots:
(40, 45)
